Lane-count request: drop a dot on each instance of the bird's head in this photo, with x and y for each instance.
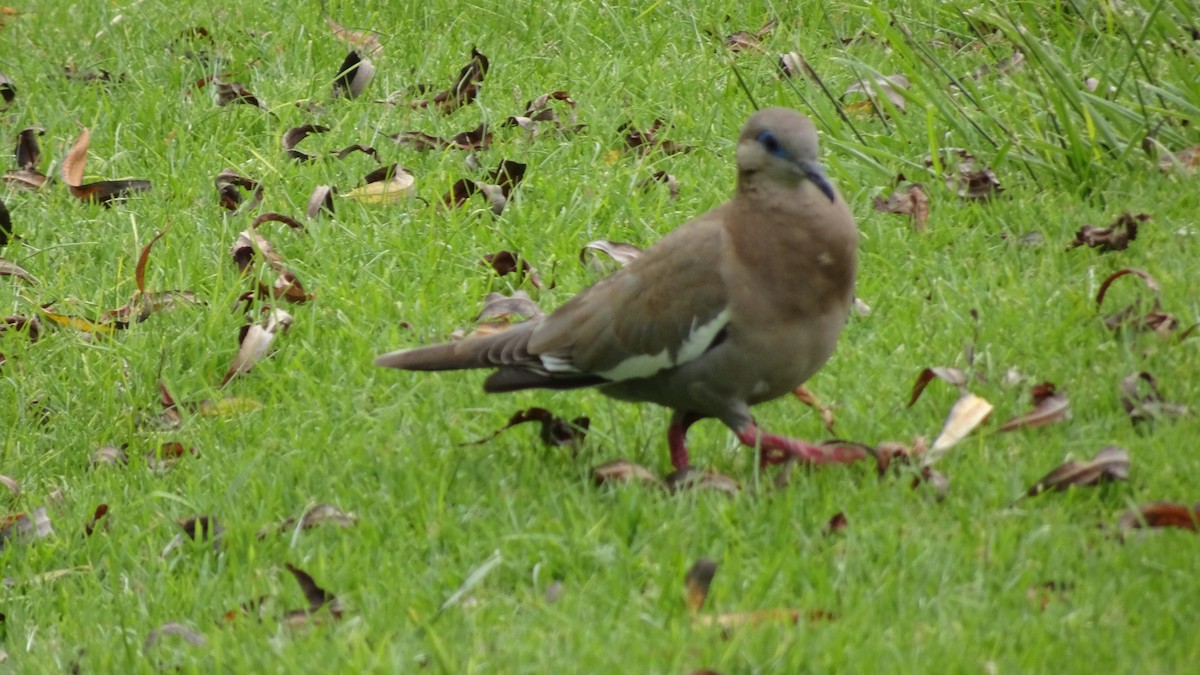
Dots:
(780, 144)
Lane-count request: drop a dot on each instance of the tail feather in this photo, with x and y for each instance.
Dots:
(506, 348)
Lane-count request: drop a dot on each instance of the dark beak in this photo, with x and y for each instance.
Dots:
(816, 175)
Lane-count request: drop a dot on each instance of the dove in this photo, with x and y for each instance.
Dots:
(736, 307)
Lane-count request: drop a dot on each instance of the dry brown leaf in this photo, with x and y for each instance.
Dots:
(623, 471)
(507, 262)
(316, 596)
(891, 87)
(555, 431)
(230, 93)
(909, 200)
(836, 524)
(1185, 160)
(462, 92)
(660, 177)
(13, 487)
(1109, 464)
(810, 399)
(355, 73)
(697, 582)
(293, 136)
(1149, 406)
(8, 92)
(500, 306)
(203, 528)
(97, 516)
(387, 185)
(189, 635)
(73, 163)
(539, 111)
(620, 253)
(479, 138)
(254, 342)
(968, 412)
(968, 182)
(9, 268)
(648, 141)
(228, 182)
(1161, 514)
(25, 527)
(745, 40)
(1006, 65)
(28, 152)
(320, 200)
(108, 455)
(1049, 406)
(953, 376)
(693, 480)
(793, 65)
(166, 455)
(321, 514)
(1115, 237)
(78, 323)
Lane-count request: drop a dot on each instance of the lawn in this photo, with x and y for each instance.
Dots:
(503, 556)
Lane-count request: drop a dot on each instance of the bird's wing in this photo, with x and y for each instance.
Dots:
(663, 309)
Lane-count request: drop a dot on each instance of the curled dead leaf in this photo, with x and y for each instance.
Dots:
(166, 455)
(9, 268)
(255, 340)
(1161, 515)
(108, 455)
(742, 40)
(172, 628)
(507, 262)
(228, 182)
(388, 185)
(648, 141)
(355, 73)
(953, 376)
(231, 93)
(25, 527)
(1149, 406)
(697, 581)
(891, 87)
(316, 596)
(1115, 237)
(808, 398)
(695, 480)
(909, 200)
(1108, 465)
(1049, 406)
(622, 471)
(293, 136)
(320, 200)
(619, 252)
(555, 431)
(660, 177)
(969, 182)
(968, 412)
(321, 514)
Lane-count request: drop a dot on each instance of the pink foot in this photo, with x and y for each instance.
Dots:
(677, 439)
(775, 449)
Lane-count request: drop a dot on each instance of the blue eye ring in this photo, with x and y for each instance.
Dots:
(771, 144)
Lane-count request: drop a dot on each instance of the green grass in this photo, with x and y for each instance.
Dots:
(913, 585)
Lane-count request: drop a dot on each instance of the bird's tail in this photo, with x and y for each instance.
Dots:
(486, 351)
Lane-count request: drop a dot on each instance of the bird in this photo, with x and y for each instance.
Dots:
(735, 307)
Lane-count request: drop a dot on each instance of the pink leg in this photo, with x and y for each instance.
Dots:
(778, 449)
(677, 439)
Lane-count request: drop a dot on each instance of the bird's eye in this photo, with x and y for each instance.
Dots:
(771, 144)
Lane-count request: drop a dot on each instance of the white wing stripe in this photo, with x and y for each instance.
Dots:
(645, 365)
